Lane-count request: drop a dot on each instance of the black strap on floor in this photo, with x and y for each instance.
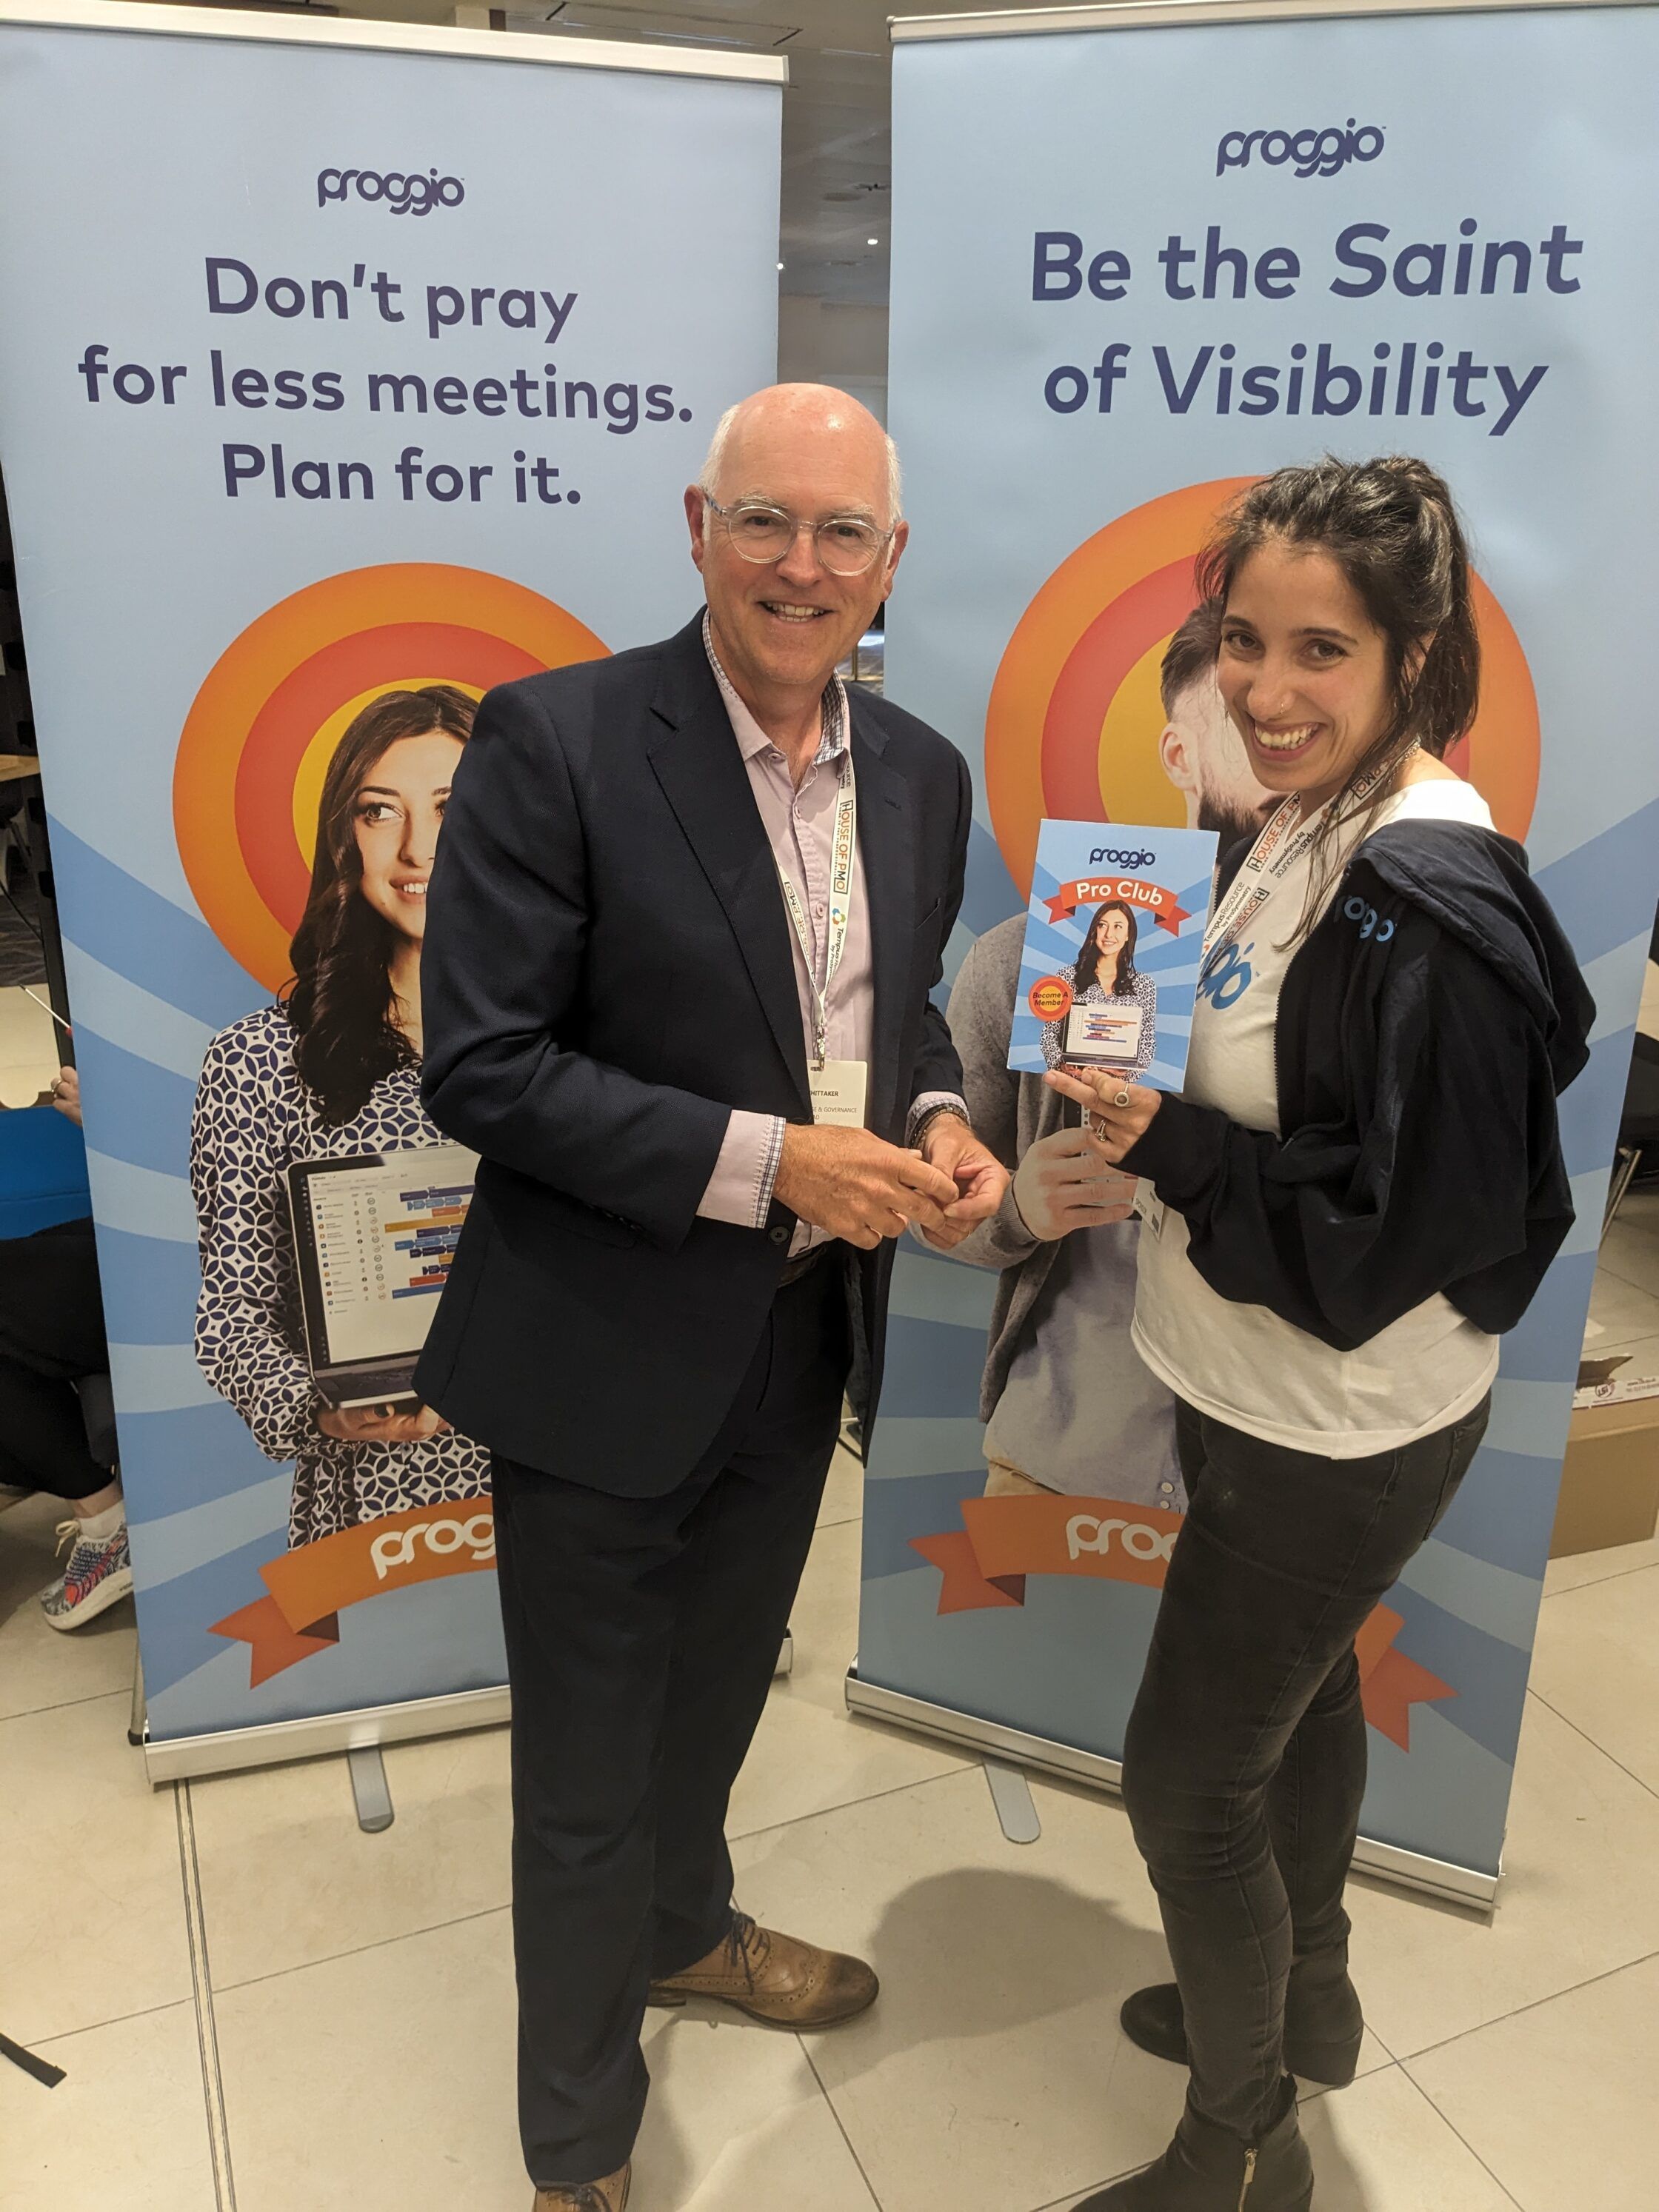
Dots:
(42, 2069)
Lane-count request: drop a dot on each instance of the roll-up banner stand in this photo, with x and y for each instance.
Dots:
(346, 369)
(1141, 255)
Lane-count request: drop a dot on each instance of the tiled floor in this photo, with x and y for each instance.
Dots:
(352, 2048)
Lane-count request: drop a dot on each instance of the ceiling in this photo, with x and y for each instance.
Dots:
(837, 173)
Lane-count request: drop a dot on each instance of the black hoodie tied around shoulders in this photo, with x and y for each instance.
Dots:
(1418, 1067)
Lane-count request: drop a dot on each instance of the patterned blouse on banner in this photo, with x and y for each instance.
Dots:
(253, 1117)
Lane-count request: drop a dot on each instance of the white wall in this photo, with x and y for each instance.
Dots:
(824, 341)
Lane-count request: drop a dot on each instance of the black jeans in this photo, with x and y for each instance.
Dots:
(642, 1635)
(1244, 1764)
(51, 1332)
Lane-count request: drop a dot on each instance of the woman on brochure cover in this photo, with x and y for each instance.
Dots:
(1105, 975)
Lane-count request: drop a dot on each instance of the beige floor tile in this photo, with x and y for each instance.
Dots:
(126, 2132)
(843, 1494)
(1622, 1311)
(41, 1666)
(288, 1878)
(1585, 1567)
(400, 2061)
(737, 2123)
(1562, 2101)
(1580, 1896)
(1382, 2147)
(1597, 1664)
(381, 2079)
(992, 2074)
(808, 1754)
(92, 1928)
(1631, 1247)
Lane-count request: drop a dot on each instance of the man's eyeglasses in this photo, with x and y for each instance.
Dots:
(847, 545)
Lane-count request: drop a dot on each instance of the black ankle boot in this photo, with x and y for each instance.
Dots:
(1323, 2024)
(1206, 2169)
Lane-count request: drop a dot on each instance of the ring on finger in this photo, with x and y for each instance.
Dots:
(1121, 1096)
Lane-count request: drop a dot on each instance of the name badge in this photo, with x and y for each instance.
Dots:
(838, 1091)
(1150, 1206)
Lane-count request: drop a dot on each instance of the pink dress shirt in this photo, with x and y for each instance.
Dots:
(800, 829)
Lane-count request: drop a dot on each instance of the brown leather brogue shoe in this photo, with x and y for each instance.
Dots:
(610, 2195)
(775, 1977)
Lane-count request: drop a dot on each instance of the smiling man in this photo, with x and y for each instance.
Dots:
(686, 915)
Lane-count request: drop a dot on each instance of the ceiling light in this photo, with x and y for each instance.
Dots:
(872, 242)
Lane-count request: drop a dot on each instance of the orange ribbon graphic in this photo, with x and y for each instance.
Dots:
(310, 1588)
(1095, 891)
(984, 1564)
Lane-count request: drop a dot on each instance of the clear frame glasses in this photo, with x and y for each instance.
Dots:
(847, 544)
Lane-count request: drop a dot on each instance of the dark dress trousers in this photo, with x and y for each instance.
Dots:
(608, 969)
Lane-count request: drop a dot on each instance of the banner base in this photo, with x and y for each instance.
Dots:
(1412, 1870)
(274, 1743)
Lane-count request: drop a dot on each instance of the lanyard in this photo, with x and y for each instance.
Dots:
(840, 907)
(1282, 844)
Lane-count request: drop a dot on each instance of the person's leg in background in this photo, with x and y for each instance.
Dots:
(642, 1636)
(51, 1332)
(1283, 1556)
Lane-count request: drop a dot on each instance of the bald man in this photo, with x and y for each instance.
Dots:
(687, 911)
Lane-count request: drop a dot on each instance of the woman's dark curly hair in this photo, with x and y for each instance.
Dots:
(1392, 528)
(340, 1000)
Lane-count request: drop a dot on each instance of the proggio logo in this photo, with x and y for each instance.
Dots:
(413, 194)
(1308, 153)
(443, 1535)
(1087, 1532)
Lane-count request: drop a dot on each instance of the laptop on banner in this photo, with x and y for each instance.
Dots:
(375, 1233)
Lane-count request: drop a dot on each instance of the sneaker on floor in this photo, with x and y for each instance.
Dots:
(99, 1574)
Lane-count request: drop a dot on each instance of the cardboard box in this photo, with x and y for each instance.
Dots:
(1610, 1482)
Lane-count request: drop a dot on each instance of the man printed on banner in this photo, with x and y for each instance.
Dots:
(1064, 1393)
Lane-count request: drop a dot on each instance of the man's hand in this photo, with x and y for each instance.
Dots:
(979, 1177)
(381, 1425)
(852, 1183)
(1063, 1185)
(1112, 1128)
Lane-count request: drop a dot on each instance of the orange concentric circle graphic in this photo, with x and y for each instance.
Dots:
(263, 728)
(1071, 731)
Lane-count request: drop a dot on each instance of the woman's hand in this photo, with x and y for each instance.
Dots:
(66, 1094)
(1112, 1128)
(381, 1425)
(1061, 1186)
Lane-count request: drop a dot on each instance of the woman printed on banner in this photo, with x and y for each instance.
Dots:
(333, 1068)
(1105, 975)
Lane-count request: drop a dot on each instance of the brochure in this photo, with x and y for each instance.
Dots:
(1112, 941)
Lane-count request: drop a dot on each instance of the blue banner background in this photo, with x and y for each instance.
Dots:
(125, 161)
(1518, 121)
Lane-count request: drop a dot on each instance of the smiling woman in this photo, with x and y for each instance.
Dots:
(333, 1069)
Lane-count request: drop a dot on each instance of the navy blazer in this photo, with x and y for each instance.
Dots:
(608, 969)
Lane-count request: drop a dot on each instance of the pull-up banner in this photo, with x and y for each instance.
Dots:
(346, 369)
(1208, 247)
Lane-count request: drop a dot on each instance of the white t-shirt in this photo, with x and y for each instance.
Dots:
(1241, 1364)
